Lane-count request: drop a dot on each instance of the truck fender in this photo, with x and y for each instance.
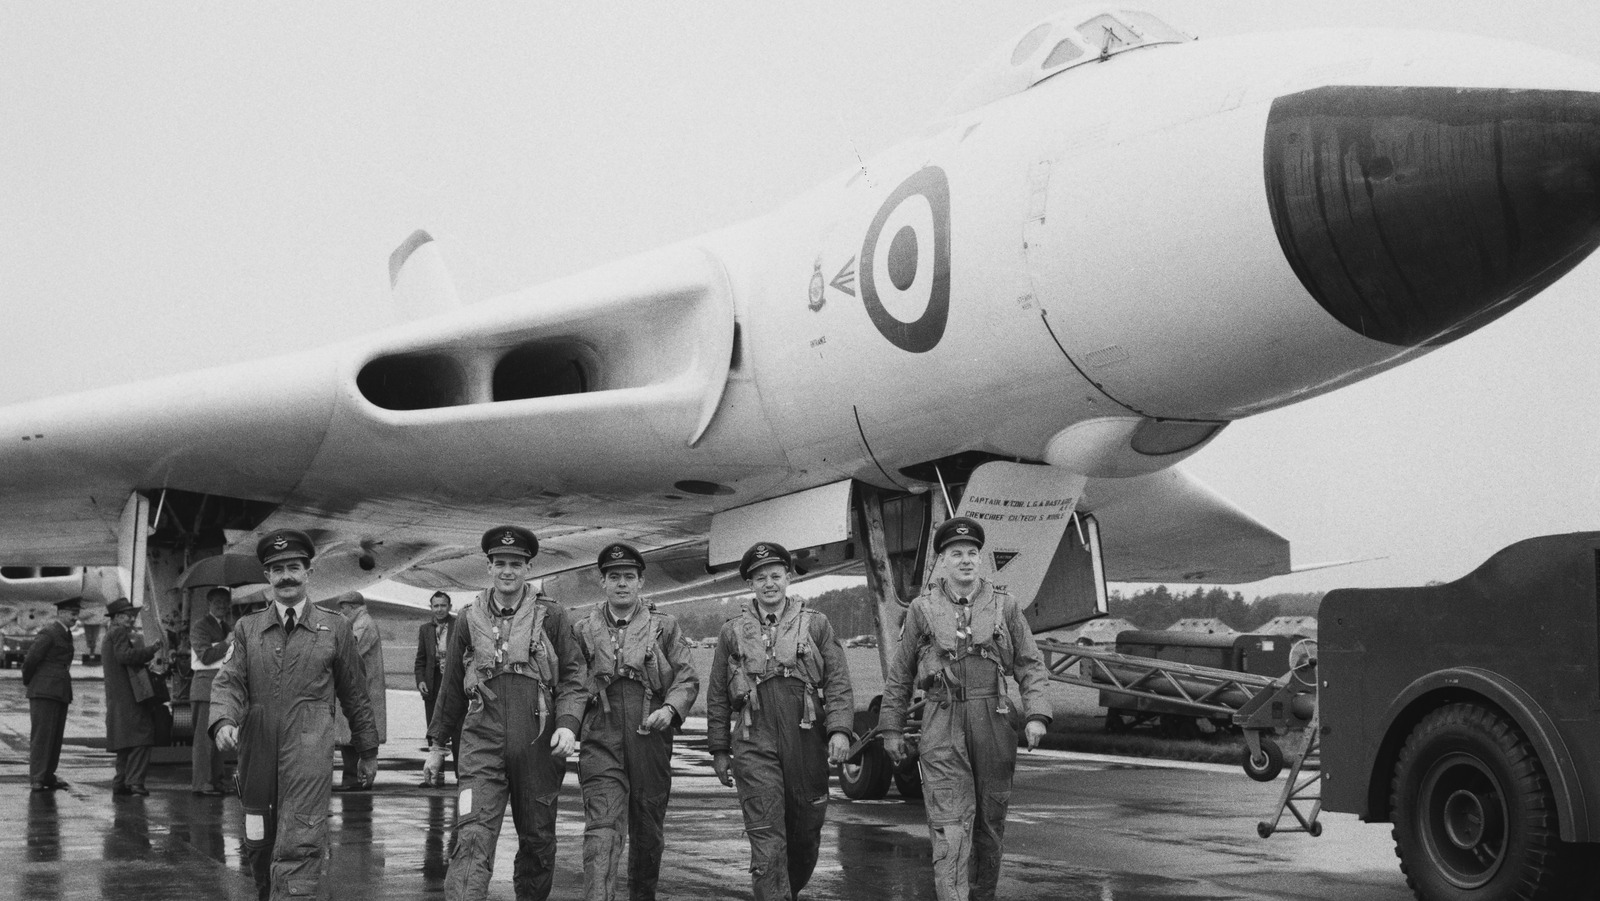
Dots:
(1458, 683)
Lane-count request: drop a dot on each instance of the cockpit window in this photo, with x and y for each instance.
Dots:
(1077, 37)
(1029, 43)
(1150, 29)
(1065, 52)
(1108, 35)
(1105, 35)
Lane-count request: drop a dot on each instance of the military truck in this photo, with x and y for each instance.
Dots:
(1467, 715)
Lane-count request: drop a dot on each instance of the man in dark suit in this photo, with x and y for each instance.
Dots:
(210, 644)
(433, 639)
(47, 673)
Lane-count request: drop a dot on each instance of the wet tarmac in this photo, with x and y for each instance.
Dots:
(1081, 827)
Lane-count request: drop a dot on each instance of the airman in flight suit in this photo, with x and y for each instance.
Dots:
(774, 664)
(513, 688)
(641, 683)
(960, 641)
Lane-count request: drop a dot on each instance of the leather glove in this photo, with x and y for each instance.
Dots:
(1033, 732)
(227, 737)
(433, 769)
(563, 742)
(367, 770)
(894, 744)
(838, 748)
(722, 762)
(660, 719)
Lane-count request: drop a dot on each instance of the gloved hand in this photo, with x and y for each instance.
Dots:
(1033, 732)
(433, 769)
(722, 762)
(838, 748)
(227, 737)
(563, 742)
(367, 770)
(660, 719)
(894, 744)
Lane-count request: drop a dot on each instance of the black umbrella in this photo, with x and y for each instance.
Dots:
(223, 569)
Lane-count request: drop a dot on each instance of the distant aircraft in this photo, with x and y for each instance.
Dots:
(1115, 241)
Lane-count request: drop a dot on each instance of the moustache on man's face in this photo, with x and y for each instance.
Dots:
(287, 583)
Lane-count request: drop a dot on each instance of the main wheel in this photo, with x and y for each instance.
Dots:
(1474, 816)
(867, 778)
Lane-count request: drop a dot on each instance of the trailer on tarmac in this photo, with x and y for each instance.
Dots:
(1257, 653)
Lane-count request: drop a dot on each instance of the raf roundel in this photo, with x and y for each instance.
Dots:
(905, 262)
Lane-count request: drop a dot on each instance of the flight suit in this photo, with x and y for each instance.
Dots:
(761, 704)
(280, 689)
(369, 645)
(510, 680)
(634, 669)
(960, 654)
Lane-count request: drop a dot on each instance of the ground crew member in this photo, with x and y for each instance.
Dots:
(47, 675)
(210, 641)
(130, 725)
(641, 683)
(779, 704)
(274, 701)
(369, 644)
(433, 641)
(960, 639)
(513, 689)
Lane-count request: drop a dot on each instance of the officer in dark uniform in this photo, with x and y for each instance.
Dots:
(960, 640)
(774, 663)
(513, 689)
(641, 683)
(47, 675)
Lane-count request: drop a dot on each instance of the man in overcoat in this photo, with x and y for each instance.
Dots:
(130, 722)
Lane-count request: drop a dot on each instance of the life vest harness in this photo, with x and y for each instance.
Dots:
(603, 642)
(520, 647)
(953, 626)
(770, 651)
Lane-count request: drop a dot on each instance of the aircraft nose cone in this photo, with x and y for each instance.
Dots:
(1417, 215)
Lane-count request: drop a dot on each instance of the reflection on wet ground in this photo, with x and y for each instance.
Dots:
(1080, 828)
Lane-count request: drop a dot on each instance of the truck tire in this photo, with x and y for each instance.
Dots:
(1474, 816)
(867, 779)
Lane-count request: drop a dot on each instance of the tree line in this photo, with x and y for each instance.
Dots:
(1158, 607)
(1155, 607)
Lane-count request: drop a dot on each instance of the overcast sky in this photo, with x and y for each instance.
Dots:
(192, 184)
